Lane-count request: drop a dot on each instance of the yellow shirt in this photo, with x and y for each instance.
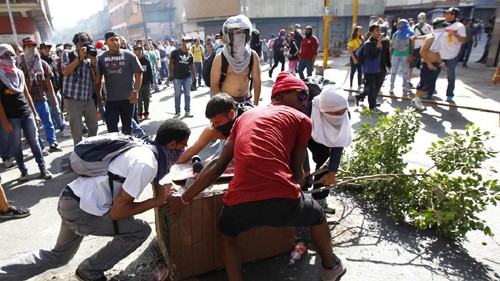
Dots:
(197, 51)
(354, 44)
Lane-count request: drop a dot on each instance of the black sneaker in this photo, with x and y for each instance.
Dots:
(358, 98)
(24, 176)
(54, 148)
(14, 213)
(45, 174)
(81, 277)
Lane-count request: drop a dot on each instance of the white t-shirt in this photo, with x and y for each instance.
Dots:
(138, 165)
(450, 50)
(426, 29)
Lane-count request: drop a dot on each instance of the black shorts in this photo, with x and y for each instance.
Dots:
(280, 212)
(428, 77)
(416, 59)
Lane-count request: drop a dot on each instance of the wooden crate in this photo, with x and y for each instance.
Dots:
(191, 241)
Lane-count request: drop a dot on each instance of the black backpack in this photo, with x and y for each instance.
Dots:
(361, 54)
(207, 67)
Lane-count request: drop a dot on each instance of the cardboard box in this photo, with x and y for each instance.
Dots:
(191, 241)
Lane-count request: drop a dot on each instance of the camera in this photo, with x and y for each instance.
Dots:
(91, 51)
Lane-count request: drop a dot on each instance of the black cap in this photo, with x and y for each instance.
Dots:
(110, 34)
(43, 45)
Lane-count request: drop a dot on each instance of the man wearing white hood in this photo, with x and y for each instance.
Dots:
(241, 62)
(331, 132)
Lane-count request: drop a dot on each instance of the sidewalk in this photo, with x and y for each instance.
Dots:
(375, 248)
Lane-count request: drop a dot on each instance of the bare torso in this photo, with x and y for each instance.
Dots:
(236, 85)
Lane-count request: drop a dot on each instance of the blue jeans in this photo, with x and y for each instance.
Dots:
(155, 80)
(119, 110)
(303, 64)
(396, 61)
(180, 86)
(44, 112)
(28, 126)
(164, 70)
(55, 112)
(468, 50)
(271, 54)
(198, 66)
(451, 64)
(5, 147)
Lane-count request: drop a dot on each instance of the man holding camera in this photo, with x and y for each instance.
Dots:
(78, 68)
(122, 74)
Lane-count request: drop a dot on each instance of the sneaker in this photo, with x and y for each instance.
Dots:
(45, 151)
(391, 90)
(188, 114)
(324, 204)
(271, 73)
(450, 99)
(358, 98)
(8, 163)
(177, 115)
(336, 273)
(427, 97)
(24, 176)
(417, 103)
(406, 90)
(45, 174)
(54, 148)
(79, 275)
(65, 133)
(14, 213)
(410, 85)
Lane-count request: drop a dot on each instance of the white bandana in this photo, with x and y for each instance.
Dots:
(330, 130)
(240, 57)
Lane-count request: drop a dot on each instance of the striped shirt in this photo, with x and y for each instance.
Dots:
(38, 87)
(79, 84)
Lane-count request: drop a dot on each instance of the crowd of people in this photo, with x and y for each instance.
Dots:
(117, 78)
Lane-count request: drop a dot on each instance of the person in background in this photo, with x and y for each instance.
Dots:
(256, 44)
(181, 71)
(147, 81)
(293, 53)
(278, 51)
(308, 52)
(198, 57)
(420, 29)
(402, 54)
(355, 43)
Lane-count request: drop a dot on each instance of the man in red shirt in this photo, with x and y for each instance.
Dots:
(268, 144)
(308, 52)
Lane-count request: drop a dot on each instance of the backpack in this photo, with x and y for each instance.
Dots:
(91, 157)
(163, 54)
(207, 67)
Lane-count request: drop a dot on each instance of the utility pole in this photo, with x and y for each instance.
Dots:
(326, 35)
(354, 14)
(12, 23)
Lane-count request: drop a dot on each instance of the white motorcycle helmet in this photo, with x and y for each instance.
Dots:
(421, 17)
(236, 23)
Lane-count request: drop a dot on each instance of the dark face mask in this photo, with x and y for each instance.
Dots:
(226, 128)
(308, 34)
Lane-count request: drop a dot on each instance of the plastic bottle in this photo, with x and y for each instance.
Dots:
(197, 165)
(297, 252)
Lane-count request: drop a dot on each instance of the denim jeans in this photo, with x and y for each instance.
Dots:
(451, 64)
(155, 80)
(28, 126)
(396, 61)
(119, 110)
(182, 86)
(55, 112)
(5, 147)
(44, 112)
(164, 69)
(75, 224)
(303, 64)
(468, 50)
(198, 66)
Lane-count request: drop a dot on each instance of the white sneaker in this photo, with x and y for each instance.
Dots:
(391, 90)
(45, 151)
(417, 103)
(188, 114)
(65, 133)
(177, 115)
(336, 273)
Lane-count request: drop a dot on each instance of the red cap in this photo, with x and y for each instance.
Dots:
(99, 44)
(286, 82)
(29, 41)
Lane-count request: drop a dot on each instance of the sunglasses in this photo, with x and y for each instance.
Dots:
(303, 95)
